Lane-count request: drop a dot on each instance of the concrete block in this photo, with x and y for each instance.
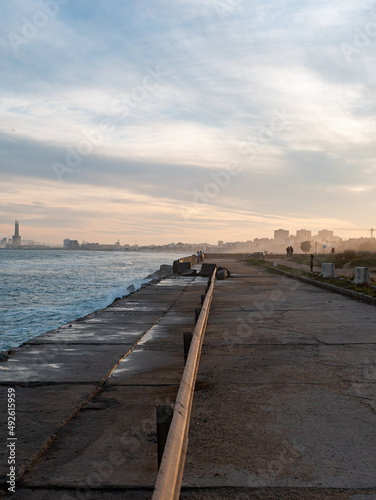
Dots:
(183, 267)
(3, 355)
(222, 274)
(328, 270)
(175, 265)
(207, 269)
(362, 275)
(166, 268)
(190, 272)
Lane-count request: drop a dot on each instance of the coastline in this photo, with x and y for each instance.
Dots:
(164, 272)
(29, 304)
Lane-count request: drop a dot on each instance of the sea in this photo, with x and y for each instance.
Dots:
(41, 290)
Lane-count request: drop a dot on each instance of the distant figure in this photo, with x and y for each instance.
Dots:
(289, 251)
(332, 251)
(198, 256)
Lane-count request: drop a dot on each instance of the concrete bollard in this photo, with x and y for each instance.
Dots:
(328, 270)
(164, 418)
(222, 274)
(362, 276)
(207, 269)
(183, 267)
(187, 337)
(175, 266)
(197, 313)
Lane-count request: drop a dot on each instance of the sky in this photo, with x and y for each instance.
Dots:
(182, 120)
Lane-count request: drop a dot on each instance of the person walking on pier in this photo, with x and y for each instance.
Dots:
(289, 251)
(200, 258)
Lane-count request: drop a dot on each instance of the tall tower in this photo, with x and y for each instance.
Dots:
(16, 240)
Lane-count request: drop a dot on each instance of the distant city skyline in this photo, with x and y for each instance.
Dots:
(185, 121)
(278, 235)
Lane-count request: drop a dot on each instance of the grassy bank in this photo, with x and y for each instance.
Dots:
(349, 257)
(342, 282)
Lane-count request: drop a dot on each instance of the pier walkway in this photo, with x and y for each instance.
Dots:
(284, 408)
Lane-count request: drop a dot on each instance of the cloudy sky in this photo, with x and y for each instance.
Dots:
(155, 121)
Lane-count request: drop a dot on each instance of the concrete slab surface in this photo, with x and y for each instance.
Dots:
(144, 363)
(110, 444)
(80, 363)
(40, 415)
(199, 494)
(88, 494)
(86, 394)
(276, 494)
(285, 397)
(87, 333)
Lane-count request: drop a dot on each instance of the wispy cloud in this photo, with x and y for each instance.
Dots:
(222, 77)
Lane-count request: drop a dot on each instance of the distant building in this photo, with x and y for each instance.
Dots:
(325, 235)
(90, 246)
(303, 235)
(281, 234)
(16, 240)
(262, 243)
(70, 244)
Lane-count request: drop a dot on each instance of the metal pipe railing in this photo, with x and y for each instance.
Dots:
(170, 476)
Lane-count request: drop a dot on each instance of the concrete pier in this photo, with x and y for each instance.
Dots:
(284, 408)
